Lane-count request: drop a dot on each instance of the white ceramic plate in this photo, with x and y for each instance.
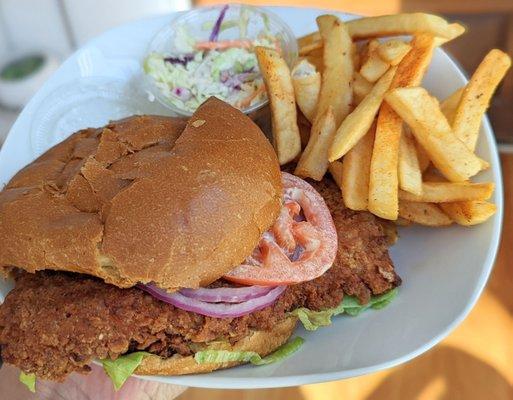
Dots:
(443, 270)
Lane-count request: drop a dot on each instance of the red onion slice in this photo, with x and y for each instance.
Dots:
(216, 310)
(226, 294)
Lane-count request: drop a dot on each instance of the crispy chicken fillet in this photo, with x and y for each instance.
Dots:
(55, 323)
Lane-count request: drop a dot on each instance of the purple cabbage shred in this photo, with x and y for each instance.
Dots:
(181, 59)
(217, 26)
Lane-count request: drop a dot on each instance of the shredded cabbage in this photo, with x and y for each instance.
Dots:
(223, 356)
(29, 380)
(350, 305)
(120, 369)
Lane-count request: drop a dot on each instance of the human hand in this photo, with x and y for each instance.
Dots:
(95, 385)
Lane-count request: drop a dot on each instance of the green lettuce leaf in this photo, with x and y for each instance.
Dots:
(350, 305)
(222, 356)
(120, 369)
(353, 307)
(312, 320)
(29, 380)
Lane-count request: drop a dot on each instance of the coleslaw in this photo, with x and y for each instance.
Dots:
(226, 69)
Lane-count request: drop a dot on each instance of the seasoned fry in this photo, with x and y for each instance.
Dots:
(469, 212)
(385, 164)
(361, 88)
(422, 156)
(410, 175)
(374, 67)
(338, 68)
(315, 58)
(335, 169)
(356, 57)
(429, 126)
(360, 120)
(314, 160)
(367, 49)
(307, 85)
(335, 97)
(403, 24)
(413, 66)
(309, 43)
(423, 213)
(444, 192)
(417, 173)
(392, 25)
(276, 75)
(450, 105)
(477, 94)
(463, 212)
(355, 173)
(393, 51)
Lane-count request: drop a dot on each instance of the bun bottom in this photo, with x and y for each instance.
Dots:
(261, 342)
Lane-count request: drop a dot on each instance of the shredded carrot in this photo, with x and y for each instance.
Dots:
(224, 44)
(242, 104)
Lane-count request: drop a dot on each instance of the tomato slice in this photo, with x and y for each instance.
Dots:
(300, 246)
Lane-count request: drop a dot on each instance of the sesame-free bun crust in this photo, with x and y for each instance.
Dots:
(145, 199)
(261, 342)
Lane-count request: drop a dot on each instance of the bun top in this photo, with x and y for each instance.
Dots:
(145, 199)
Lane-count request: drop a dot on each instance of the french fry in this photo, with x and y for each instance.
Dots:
(422, 156)
(477, 95)
(431, 174)
(367, 49)
(429, 126)
(464, 213)
(413, 66)
(355, 173)
(338, 68)
(393, 51)
(374, 67)
(335, 169)
(361, 88)
(450, 105)
(360, 120)
(385, 164)
(276, 75)
(469, 213)
(309, 42)
(392, 25)
(335, 96)
(410, 175)
(314, 160)
(444, 192)
(403, 24)
(315, 58)
(356, 57)
(307, 85)
(423, 213)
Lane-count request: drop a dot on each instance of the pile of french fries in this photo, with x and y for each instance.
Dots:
(392, 148)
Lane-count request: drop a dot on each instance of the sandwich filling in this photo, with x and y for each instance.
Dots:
(55, 323)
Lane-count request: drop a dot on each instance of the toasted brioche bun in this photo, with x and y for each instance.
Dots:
(145, 199)
(261, 342)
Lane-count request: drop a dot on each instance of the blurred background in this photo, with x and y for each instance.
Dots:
(475, 361)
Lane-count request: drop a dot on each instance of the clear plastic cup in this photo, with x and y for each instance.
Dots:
(199, 23)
